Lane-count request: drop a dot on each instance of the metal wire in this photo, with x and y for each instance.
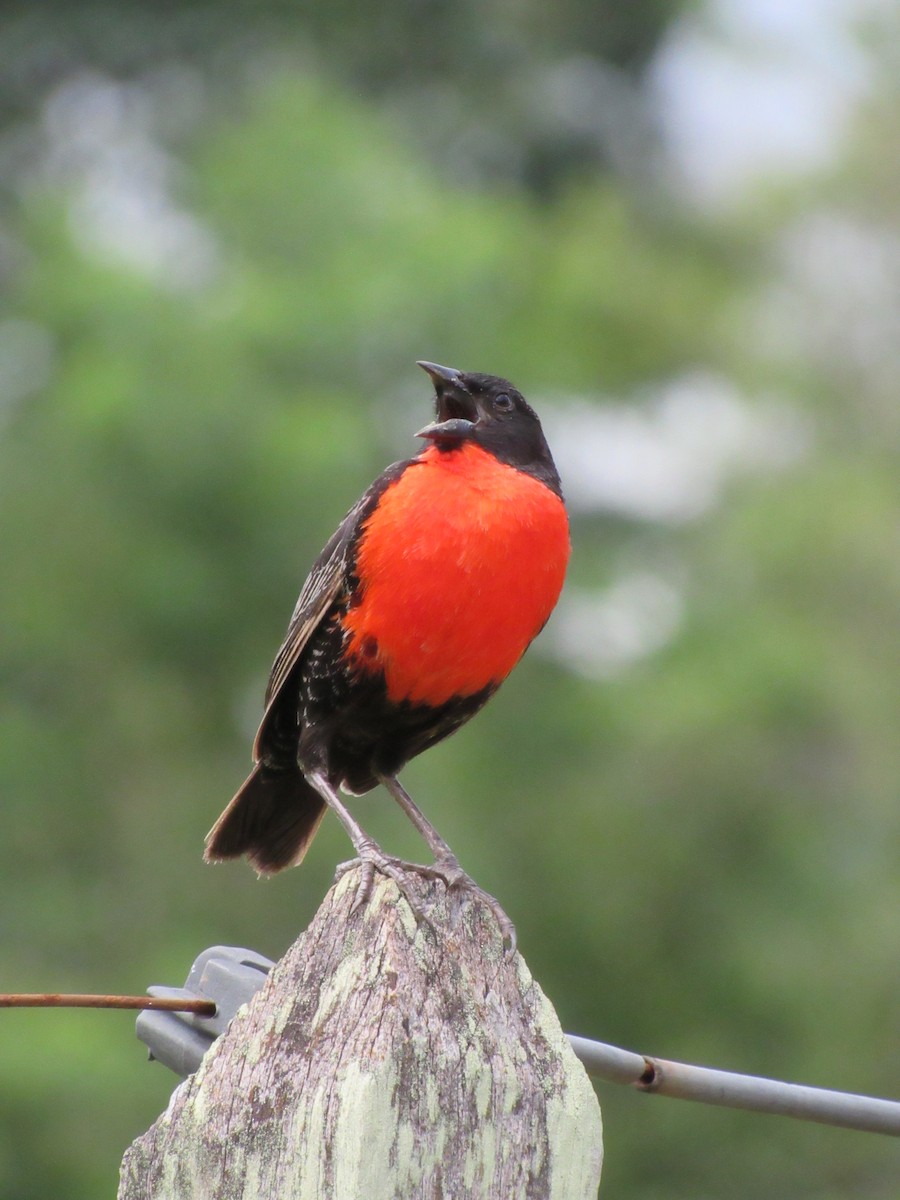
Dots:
(203, 1008)
(730, 1090)
(655, 1075)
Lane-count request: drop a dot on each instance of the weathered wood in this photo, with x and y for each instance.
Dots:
(382, 1061)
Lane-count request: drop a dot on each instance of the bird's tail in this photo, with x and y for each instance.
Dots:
(272, 820)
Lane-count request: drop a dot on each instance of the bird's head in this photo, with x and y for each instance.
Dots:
(489, 411)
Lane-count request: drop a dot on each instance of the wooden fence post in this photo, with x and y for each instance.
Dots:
(382, 1061)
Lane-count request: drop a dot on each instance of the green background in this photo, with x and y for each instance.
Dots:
(226, 232)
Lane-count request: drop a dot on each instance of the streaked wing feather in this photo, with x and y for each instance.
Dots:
(321, 589)
(328, 577)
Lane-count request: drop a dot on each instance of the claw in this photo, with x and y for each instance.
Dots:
(507, 928)
(366, 882)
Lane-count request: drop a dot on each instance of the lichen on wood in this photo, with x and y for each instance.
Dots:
(383, 1060)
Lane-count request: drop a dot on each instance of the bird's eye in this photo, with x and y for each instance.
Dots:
(503, 402)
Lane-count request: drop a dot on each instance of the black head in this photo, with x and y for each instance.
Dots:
(489, 411)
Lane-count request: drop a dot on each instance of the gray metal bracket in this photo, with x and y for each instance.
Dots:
(227, 975)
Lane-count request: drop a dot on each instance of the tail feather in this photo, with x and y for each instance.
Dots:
(272, 819)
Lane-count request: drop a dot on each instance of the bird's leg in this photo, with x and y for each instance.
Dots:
(446, 865)
(436, 844)
(370, 855)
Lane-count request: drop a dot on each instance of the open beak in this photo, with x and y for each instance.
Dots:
(456, 412)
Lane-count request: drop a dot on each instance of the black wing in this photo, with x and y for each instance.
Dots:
(330, 576)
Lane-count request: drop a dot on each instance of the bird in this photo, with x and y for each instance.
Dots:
(416, 610)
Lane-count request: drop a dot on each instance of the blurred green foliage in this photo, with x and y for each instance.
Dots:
(484, 86)
(700, 852)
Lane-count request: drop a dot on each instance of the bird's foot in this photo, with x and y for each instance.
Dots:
(371, 859)
(447, 869)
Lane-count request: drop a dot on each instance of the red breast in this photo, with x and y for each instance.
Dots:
(460, 565)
